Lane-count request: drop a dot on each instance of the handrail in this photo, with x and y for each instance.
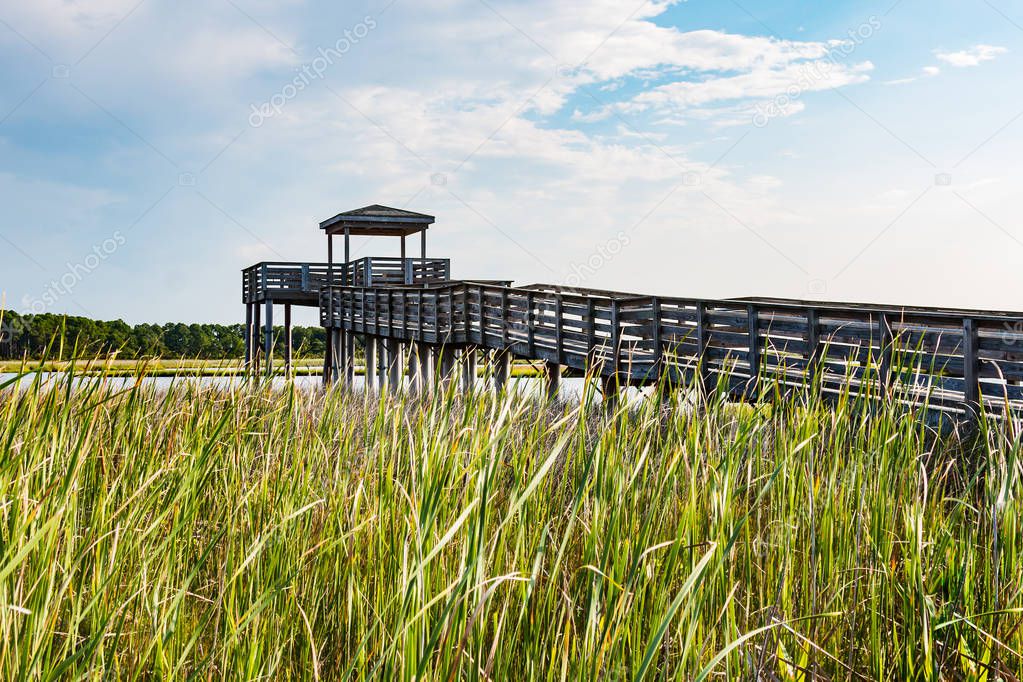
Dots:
(958, 363)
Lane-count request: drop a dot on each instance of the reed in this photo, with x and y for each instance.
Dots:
(259, 533)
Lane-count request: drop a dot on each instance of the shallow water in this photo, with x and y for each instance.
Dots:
(571, 388)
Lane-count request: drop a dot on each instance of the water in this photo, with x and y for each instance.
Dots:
(571, 388)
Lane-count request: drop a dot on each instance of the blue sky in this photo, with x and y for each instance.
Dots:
(867, 151)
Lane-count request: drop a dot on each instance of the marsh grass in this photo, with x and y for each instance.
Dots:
(205, 533)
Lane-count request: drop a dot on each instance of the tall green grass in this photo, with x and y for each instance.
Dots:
(202, 533)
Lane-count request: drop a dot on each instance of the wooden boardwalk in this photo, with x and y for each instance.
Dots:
(953, 360)
(956, 361)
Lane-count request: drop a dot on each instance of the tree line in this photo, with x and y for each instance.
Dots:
(31, 335)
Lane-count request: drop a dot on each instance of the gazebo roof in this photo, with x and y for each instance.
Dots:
(378, 221)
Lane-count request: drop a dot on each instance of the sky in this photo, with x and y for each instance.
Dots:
(844, 151)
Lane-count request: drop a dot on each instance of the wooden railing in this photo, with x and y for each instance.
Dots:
(264, 280)
(398, 271)
(955, 361)
(270, 279)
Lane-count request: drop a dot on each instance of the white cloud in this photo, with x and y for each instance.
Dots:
(973, 56)
(926, 72)
(762, 83)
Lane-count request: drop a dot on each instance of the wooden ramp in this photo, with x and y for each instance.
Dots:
(952, 360)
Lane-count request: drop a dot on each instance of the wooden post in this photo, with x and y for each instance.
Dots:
(337, 356)
(448, 364)
(369, 347)
(813, 345)
(609, 390)
(530, 331)
(395, 355)
(971, 373)
(886, 340)
(423, 244)
(330, 260)
(432, 363)
(328, 359)
(350, 358)
(268, 337)
(591, 332)
(288, 351)
(383, 361)
(753, 354)
(505, 331)
(655, 322)
(552, 380)
(502, 369)
(341, 357)
(248, 338)
(559, 329)
(468, 368)
(348, 246)
(702, 345)
(257, 330)
(616, 341)
(415, 370)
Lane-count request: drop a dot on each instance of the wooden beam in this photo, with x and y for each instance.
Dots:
(501, 360)
(330, 259)
(369, 347)
(395, 357)
(268, 337)
(257, 328)
(469, 369)
(328, 359)
(552, 380)
(350, 359)
(248, 337)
